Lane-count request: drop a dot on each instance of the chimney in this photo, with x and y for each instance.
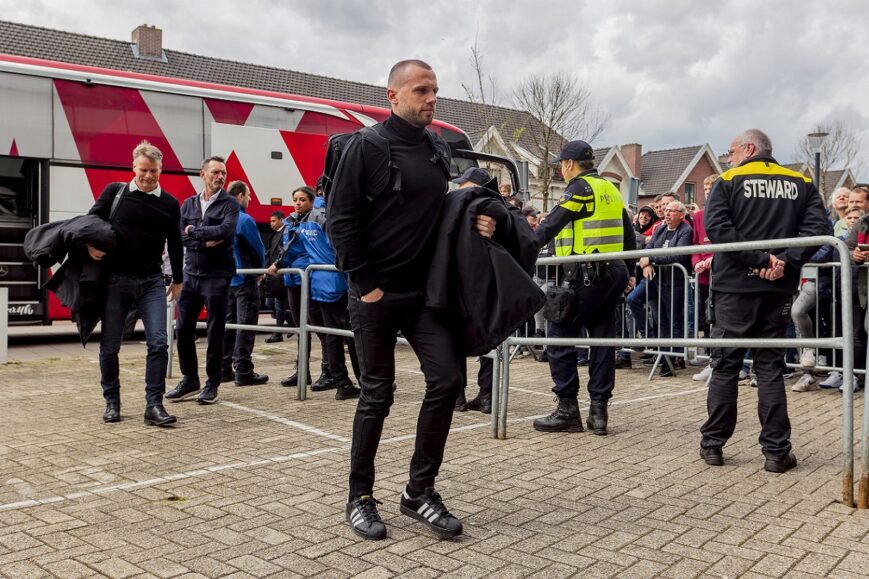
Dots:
(148, 40)
(633, 153)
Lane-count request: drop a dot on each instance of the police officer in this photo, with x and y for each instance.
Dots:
(591, 218)
(752, 290)
(383, 231)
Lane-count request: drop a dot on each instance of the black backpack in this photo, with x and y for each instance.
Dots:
(338, 144)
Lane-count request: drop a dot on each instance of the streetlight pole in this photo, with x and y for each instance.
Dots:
(816, 141)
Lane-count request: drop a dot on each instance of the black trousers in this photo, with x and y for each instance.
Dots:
(484, 376)
(243, 308)
(598, 305)
(749, 315)
(375, 326)
(335, 315)
(213, 294)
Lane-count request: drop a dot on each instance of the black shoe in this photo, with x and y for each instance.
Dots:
(347, 392)
(665, 371)
(322, 384)
(184, 390)
(157, 416)
(780, 465)
(430, 510)
(597, 417)
(543, 357)
(208, 394)
(712, 456)
(275, 338)
(582, 362)
(113, 412)
(293, 380)
(565, 418)
(362, 516)
(250, 379)
(461, 402)
(227, 375)
(482, 403)
(623, 363)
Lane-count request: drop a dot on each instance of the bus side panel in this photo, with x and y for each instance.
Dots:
(25, 116)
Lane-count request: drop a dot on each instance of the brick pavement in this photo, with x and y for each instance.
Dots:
(256, 487)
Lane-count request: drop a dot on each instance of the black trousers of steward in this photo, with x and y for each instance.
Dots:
(749, 315)
(375, 327)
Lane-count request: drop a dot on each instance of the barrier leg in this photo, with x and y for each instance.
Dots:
(505, 388)
(304, 362)
(170, 335)
(496, 390)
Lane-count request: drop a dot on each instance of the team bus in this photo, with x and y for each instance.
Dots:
(67, 130)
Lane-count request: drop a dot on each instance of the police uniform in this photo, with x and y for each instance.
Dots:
(758, 199)
(591, 218)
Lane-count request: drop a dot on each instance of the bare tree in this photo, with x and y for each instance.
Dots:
(838, 151)
(563, 109)
(483, 90)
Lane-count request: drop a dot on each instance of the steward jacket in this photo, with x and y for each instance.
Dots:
(681, 237)
(218, 224)
(761, 200)
(250, 252)
(481, 283)
(326, 286)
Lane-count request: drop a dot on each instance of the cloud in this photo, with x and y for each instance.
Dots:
(668, 72)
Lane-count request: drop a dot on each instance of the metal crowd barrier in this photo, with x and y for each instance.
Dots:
(843, 342)
(502, 358)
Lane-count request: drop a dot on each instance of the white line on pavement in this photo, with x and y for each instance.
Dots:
(287, 422)
(133, 485)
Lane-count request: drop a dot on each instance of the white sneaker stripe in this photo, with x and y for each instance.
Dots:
(432, 518)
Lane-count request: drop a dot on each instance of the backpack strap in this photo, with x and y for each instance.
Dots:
(116, 201)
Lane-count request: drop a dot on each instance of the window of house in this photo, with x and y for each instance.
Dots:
(689, 193)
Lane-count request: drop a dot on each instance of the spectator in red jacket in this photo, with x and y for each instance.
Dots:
(702, 263)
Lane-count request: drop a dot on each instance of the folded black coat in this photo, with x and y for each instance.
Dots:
(80, 283)
(483, 284)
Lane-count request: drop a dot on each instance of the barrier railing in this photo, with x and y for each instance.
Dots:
(843, 342)
(501, 369)
(4, 325)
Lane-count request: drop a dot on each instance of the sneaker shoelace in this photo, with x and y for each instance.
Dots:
(368, 508)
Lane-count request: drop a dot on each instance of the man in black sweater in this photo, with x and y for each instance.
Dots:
(383, 213)
(145, 219)
(208, 223)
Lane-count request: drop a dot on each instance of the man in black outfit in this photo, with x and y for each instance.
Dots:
(145, 219)
(208, 223)
(757, 199)
(383, 235)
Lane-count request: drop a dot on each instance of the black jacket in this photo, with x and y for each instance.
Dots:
(682, 237)
(761, 200)
(218, 225)
(483, 283)
(80, 283)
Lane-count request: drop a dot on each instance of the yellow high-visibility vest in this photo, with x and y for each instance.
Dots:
(601, 232)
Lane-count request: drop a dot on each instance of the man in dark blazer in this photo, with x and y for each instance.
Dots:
(208, 223)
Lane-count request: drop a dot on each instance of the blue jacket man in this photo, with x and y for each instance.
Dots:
(244, 296)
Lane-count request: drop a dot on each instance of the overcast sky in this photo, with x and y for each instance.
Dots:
(669, 73)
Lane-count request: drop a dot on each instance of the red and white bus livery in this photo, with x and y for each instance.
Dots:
(68, 130)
